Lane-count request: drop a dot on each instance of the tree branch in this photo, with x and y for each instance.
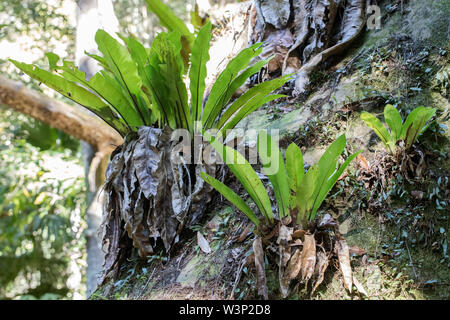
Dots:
(70, 119)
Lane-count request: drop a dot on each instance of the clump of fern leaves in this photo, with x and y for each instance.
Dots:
(140, 86)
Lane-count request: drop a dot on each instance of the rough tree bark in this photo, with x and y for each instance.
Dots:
(301, 34)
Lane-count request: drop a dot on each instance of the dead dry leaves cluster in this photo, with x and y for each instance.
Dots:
(378, 174)
(303, 256)
(150, 196)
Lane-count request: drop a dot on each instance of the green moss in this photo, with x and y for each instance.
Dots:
(431, 15)
(202, 268)
(366, 232)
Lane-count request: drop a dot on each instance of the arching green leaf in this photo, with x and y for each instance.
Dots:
(275, 170)
(75, 93)
(373, 122)
(197, 72)
(295, 169)
(245, 174)
(231, 196)
(394, 121)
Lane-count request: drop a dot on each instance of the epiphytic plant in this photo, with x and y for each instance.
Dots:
(408, 131)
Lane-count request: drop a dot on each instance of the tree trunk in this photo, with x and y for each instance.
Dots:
(301, 34)
(73, 120)
(151, 198)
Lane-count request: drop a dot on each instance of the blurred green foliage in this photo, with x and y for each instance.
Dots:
(39, 26)
(26, 16)
(42, 201)
(42, 196)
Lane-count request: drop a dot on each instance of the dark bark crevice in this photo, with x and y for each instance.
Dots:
(301, 34)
